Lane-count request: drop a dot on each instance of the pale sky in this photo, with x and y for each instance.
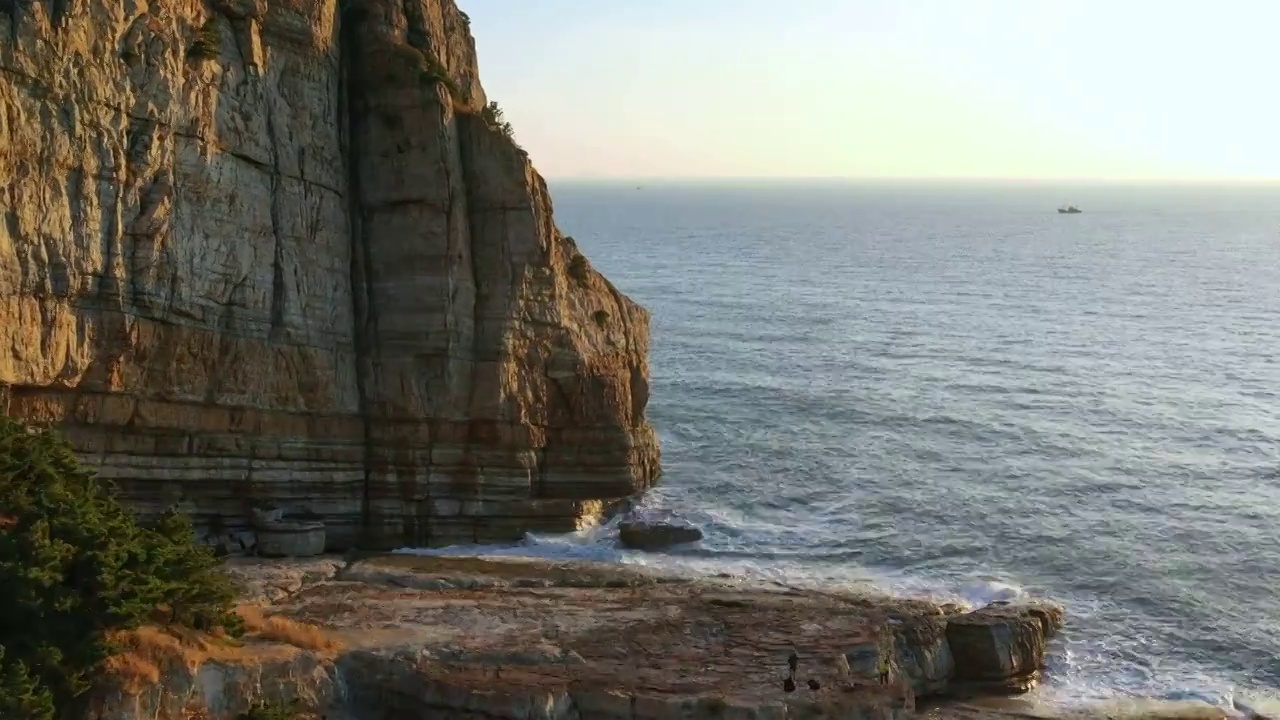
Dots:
(1088, 89)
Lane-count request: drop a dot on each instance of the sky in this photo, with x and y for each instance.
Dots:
(1071, 89)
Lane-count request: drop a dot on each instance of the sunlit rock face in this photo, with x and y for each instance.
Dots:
(271, 252)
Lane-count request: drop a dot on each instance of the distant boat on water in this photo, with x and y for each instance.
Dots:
(1069, 210)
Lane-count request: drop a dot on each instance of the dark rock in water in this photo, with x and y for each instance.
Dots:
(644, 533)
(1001, 648)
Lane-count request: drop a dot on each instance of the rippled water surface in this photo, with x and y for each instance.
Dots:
(958, 390)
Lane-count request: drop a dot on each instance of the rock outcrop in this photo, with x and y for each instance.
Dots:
(405, 636)
(653, 534)
(1001, 648)
(278, 251)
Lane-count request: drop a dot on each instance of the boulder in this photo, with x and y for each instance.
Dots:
(291, 539)
(1001, 648)
(642, 534)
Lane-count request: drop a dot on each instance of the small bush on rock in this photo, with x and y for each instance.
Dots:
(208, 43)
(76, 567)
(492, 115)
(578, 269)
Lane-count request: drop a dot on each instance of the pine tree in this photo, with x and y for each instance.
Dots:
(75, 566)
(21, 695)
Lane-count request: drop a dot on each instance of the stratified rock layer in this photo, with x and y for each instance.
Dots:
(466, 637)
(269, 251)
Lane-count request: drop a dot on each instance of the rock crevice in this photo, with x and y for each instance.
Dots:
(297, 266)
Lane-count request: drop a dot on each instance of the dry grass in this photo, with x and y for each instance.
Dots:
(145, 652)
(279, 628)
(134, 672)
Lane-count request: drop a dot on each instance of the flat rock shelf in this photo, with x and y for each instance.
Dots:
(465, 637)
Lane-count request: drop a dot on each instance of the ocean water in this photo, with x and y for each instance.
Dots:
(955, 391)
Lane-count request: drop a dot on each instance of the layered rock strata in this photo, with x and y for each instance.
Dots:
(276, 252)
(474, 638)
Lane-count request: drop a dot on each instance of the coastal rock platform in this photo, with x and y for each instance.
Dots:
(410, 636)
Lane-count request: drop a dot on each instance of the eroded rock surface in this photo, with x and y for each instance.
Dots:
(271, 251)
(1001, 647)
(471, 637)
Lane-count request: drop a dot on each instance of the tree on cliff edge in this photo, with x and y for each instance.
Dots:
(21, 695)
(75, 566)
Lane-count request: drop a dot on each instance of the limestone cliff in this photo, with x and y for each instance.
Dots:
(274, 251)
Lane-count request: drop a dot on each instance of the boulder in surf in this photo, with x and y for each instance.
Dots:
(1001, 647)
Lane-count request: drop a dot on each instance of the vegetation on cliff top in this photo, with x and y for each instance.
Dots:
(492, 114)
(76, 568)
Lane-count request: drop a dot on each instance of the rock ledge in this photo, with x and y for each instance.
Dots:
(502, 639)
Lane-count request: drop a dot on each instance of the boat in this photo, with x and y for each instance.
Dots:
(1069, 210)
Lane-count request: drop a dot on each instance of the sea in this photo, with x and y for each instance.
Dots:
(951, 390)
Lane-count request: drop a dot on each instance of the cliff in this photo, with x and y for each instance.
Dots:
(277, 252)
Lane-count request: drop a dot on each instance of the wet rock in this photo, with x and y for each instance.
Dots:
(1052, 617)
(656, 534)
(1001, 648)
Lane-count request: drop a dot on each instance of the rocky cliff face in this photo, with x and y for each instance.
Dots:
(273, 251)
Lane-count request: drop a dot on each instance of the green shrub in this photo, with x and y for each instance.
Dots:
(601, 317)
(579, 270)
(75, 567)
(208, 43)
(21, 695)
(492, 114)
